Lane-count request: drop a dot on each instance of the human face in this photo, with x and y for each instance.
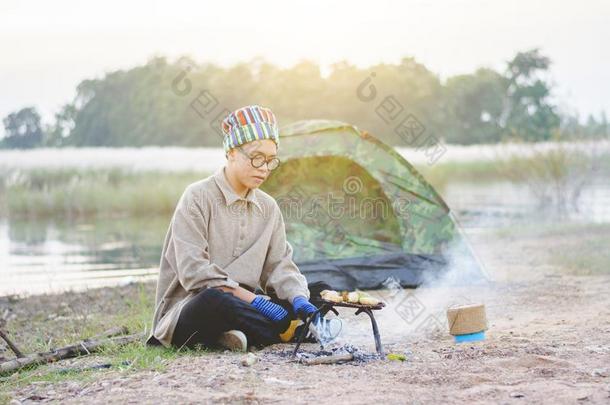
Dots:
(248, 175)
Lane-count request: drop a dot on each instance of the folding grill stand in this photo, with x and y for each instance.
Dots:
(330, 306)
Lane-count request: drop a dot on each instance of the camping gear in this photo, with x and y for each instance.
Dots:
(467, 322)
(302, 307)
(270, 309)
(470, 337)
(357, 213)
(327, 306)
(325, 330)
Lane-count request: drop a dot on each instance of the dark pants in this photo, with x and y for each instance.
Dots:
(212, 312)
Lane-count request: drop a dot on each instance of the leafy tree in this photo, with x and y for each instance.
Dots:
(161, 102)
(62, 127)
(529, 114)
(23, 129)
(475, 104)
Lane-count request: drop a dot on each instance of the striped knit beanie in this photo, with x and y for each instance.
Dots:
(248, 124)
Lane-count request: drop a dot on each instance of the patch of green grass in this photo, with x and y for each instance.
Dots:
(441, 174)
(73, 193)
(586, 252)
(43, 375)
(81, 193)
(83, 315)
(136, 356)
(80, 316)
(577, 248)
(125, 359)
(538, 170)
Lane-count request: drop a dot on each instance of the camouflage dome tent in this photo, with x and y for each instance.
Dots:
(357, 212)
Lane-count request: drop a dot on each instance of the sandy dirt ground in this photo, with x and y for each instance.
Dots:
(548, 342)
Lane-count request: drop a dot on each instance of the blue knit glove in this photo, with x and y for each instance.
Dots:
(269, 309)
(302, 307)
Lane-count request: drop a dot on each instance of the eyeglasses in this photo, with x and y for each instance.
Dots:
(259, 159)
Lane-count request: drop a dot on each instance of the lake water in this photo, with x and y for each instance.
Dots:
(38, 257)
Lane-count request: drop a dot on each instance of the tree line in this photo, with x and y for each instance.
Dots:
(181, 103)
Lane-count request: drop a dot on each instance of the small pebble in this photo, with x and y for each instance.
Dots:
(249, 359)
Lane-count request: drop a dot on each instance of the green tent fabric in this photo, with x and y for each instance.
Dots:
(357, 212)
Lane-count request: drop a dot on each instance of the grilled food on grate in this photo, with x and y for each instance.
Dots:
(354, 297)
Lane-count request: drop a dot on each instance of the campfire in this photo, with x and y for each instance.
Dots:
(343, 354)
(330, 300)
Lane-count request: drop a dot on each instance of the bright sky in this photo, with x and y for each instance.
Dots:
(48, 47)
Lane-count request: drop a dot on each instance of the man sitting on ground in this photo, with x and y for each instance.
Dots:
(227, 239)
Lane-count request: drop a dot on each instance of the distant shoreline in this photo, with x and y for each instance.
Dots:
(184, 159)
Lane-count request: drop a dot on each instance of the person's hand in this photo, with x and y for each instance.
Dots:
(302, 307)
(269, 309)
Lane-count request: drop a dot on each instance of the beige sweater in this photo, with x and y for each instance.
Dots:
(217, 238)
